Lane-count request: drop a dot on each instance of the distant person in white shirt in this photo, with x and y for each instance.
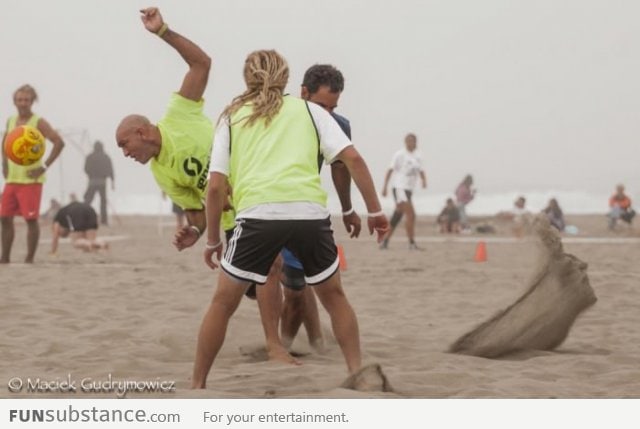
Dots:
(519, 216)
(406, 167)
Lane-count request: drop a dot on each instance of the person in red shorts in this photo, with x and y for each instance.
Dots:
(23, 184)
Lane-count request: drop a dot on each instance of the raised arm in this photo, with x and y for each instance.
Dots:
(55, 236)
(195, 81)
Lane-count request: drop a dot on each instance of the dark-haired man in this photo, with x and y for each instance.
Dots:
(322, 84)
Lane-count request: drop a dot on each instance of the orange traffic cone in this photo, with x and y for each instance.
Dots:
(341, 258)
(481, 252)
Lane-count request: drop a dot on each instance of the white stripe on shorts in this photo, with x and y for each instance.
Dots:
(320, 277)
(228, 256)
(241, 274)
(231, 245)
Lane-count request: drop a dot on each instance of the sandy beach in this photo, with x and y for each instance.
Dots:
(133, 313)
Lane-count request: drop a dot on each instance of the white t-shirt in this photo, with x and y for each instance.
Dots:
(406, 167)
(332, 141)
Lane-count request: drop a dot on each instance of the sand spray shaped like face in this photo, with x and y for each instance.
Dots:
(542, 317)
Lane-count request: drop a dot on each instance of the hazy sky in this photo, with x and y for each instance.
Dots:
(526, 95)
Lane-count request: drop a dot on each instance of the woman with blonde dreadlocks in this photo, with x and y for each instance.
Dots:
(267, 146)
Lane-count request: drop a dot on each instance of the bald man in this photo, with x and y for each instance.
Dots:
(178, 150)
(178, 147)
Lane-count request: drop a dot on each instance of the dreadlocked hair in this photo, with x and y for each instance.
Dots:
(266, 74)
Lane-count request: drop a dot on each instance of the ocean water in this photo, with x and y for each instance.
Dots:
(486, 204)
(425, 202)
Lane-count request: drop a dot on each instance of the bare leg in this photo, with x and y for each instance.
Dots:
(270, 304)
(410, 222)
(292, 310)
(94, 242)
(82, 244)
(214, 326)
(300, 307)
(343, 320)
(8, 233)
(80, 241)
(311, 320)
(98, 244)
(395, 220)
(33, 235)
(102, 192)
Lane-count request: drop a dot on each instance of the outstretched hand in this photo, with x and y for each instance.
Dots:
(353, 224)
(185, 237)
(380, 225)
(152, 19)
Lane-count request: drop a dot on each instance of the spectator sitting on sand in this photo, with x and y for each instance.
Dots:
(449, 218)
(620, 205)
(519, 216)
(554, 214)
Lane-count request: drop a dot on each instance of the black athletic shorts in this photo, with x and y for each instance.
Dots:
(256, 243)
(77, 217)
(251, 290)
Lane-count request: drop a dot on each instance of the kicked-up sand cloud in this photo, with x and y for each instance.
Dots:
(542, 317)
